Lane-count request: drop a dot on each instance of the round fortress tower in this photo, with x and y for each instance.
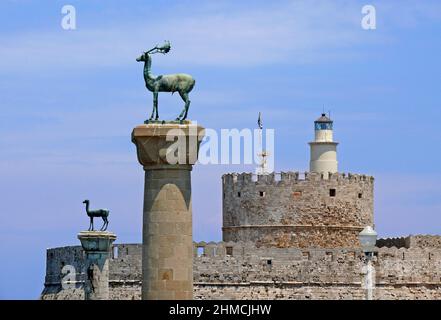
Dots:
(317, 209)
(323, 148)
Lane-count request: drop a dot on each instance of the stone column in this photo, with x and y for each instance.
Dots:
(97, 246)
(167, 152)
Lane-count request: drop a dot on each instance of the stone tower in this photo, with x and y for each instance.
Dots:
(290, 209)
(323, 148)
(317, 209)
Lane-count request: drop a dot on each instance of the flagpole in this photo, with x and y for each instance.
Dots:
(262, 153)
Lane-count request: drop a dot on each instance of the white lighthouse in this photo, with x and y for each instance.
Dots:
(323, 148)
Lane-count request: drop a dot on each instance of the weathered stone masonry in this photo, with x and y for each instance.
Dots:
(286, 235)
(232, 270)
(287, 210)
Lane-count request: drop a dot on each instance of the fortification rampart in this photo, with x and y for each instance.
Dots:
(397, 242)
(290, 209)
(124, 272)
(232, 270)
(417, 241)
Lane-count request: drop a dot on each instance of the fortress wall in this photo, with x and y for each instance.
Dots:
(125, 265)
(58, 258)
(399, 242)
(262, 291)
(71, 258)
(232, 270)
(317, 274)
(295, 210)
(124, 273)
(417, 241)
(425, 241)
(315, 292)
(248, 264)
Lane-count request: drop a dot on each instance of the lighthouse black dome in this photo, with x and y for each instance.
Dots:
(323, 119)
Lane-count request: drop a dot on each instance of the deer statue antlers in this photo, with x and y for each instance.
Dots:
(165, 48)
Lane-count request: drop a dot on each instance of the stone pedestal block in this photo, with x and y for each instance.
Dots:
(167, 152)
(97, 247)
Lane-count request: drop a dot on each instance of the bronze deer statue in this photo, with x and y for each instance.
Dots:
(180, 82)
(103, 213)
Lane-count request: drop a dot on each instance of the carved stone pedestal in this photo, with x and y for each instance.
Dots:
(167, 254)
(97, 246)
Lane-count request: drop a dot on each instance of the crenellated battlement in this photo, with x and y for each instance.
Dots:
(277, 178)
(411, 241)
(396, 242)
(241, 250)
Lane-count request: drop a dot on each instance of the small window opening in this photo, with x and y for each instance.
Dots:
(229, 251)
(332, 192)
(329, 256)
(238, 194)
(360, 195)
(262, 193)
(200, 251)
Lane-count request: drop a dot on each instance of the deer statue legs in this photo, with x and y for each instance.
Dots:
(103, 228)
(91, 224)
(183, 115)
(105, 223)
(155, 106)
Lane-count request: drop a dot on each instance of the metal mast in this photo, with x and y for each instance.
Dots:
(262, 167)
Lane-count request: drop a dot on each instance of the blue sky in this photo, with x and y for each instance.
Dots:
(69, 100)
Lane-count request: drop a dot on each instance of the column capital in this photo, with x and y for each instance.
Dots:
(157, 143)
(96, 241)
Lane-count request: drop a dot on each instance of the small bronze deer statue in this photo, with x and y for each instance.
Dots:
(103, 213)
